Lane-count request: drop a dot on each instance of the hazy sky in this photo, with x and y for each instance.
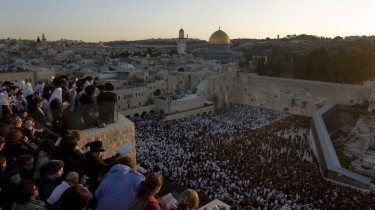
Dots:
(105, 20)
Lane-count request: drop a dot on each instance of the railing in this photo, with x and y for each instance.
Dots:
(329, 162)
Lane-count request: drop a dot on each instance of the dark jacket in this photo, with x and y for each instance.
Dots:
(106, 106)
(93, 168)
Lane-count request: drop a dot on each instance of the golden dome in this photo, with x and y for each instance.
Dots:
(219, 37)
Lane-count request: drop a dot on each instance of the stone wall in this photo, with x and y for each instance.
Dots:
(208, 109)
(18, 76)
(295, 96)
(140, 110)
(113, 136)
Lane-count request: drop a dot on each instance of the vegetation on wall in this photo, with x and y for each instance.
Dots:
(315, 58)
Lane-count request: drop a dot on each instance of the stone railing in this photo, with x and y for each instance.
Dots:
(113, 136)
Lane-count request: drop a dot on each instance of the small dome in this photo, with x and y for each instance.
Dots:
(126, 66)
(181, 30)
(219, 37)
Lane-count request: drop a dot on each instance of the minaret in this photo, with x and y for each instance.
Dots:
(181, 34)
(181, 42)
(44, 41)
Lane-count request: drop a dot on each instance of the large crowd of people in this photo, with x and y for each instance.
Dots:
(244, 156)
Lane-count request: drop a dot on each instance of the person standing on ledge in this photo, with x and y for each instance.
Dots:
(107, 101)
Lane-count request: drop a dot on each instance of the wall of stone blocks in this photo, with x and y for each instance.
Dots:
(295, 96)
(190, 112)
(183, 105)
(113, 136)
(18, 76)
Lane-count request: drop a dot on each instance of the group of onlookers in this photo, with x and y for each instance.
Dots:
(45, 168)
(62, 105)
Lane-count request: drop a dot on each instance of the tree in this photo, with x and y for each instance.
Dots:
(338, 38)
(38, 39)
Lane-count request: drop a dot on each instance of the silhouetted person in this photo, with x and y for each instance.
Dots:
(107, 103)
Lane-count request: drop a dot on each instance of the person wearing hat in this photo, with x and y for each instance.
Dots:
(93, 166)
(51, 173)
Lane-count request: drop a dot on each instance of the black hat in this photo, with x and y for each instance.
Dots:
(96, 146)
(51, 167)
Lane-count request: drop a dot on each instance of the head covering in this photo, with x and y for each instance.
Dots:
(57, 94)
(96, 146)
(20, 84)
(4, 99)
(52, 167)
(27, 90)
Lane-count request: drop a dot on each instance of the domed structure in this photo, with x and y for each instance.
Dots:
(219, 37)
(219, 49)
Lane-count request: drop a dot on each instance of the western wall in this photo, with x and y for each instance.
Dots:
(296, 96)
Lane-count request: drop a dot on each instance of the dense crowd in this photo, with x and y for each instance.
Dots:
(41, 163)
(243, 156)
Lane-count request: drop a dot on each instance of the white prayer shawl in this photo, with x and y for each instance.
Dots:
(72, 99)
(4, 100)
(57, 94)
(27, 90)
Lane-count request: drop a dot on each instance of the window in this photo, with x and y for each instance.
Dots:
(118, 98)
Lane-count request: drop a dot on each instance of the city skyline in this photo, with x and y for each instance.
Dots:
(97, 20)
